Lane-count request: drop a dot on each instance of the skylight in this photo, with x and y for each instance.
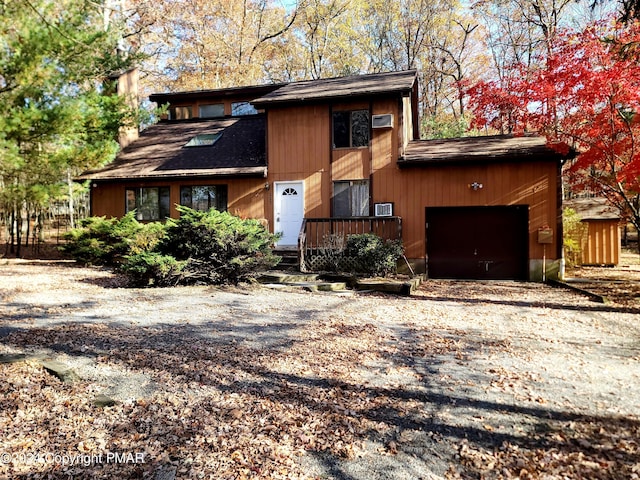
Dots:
(204, 140)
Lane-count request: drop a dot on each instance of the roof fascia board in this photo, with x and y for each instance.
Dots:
(217, 93)
(256, 172)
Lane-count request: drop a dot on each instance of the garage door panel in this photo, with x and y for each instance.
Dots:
(477, 242)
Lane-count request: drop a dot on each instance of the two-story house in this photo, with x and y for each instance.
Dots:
(317, 159)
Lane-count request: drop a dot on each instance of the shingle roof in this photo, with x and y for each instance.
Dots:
(343, 87)
(160, 151)
(592, 208)
(493, 148)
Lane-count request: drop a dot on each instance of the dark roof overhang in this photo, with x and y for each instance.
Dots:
(240, 92)
(335, 89)
(488, 149)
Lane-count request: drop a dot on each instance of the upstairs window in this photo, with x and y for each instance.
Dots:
(351, 198)
(239, 109)
(180, 113)
(204, 197)
(350, 129)
(150, 203)
(213, 110)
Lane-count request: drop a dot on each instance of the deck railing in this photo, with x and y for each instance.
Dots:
(326, 235)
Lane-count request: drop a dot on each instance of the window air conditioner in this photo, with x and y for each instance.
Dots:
(382, 121)
(383, 209)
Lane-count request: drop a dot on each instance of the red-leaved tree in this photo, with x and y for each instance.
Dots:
(585, 95)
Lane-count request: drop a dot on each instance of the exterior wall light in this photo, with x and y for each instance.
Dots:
(475, 186)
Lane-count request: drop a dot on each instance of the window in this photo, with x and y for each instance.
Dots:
(351, 129)
(204, 197)
(180, 113)
(203, 140)
(351, 198)
(150, 203)
(211, 111)
(238, 109)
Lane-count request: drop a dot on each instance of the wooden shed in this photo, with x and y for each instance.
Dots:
(600, 244)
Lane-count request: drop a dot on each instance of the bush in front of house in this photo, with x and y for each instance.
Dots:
(218, 247)
(367, 253)
(108, 241)
(145, 269)
(200, 247)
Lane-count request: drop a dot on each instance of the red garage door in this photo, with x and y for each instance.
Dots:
(478, 242)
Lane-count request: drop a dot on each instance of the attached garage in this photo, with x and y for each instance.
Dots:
(480, 207)
(480, 243)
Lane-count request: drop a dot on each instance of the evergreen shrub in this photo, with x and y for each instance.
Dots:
(218, 247)
(368, 253)
(108, 241)
(146, 269)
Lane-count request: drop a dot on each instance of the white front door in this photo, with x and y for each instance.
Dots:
(288, 211)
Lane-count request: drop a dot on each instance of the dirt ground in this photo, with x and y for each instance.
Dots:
(462, 380)
(619, 285)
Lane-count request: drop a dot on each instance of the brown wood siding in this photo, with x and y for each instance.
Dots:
(411, 190)
(350, 164)
(601, 245)
(298, 149)
(247, 197)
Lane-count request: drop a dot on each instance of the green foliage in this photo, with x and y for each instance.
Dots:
(574, 231)
(145, 269)
(369, 254)
(200, 247)
(219, 247)
(56, 117)
(107, 241)
(445, 126)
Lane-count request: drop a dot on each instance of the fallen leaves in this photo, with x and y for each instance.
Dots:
(219, 407)
(583, 448)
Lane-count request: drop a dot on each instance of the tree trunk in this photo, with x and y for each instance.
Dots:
(28, 232)
(18, 227)
(12, 230)
(71, 202)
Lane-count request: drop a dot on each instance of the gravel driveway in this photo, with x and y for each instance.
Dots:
(461, 380)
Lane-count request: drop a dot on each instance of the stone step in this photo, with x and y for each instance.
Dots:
(310, 282)
(334, 283)
(60, 370)
(287, 277)
(324, 287)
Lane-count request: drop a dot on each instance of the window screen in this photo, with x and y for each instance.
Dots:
(212, 111)
(350, 129)
(150, 203)
(204, 197)
(180, 113)
(351, 198)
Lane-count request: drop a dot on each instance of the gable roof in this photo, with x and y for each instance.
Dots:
(160, 151)
(493, 148)
(341, 87)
